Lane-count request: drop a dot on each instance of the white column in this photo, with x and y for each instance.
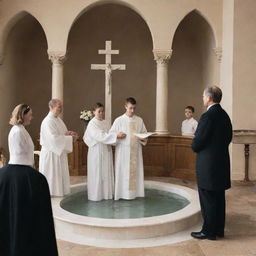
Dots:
(162, 58)
(57, 59)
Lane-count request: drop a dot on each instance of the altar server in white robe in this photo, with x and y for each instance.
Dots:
(56, 142)
(189, 125)
(100, 175)
(129, 170)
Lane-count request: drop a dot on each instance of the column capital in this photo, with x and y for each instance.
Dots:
(57, 57)
(162, 56)
(218, 53)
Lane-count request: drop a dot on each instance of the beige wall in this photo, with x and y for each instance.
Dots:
(193, 67)
(244, 80)
(226, 75)
(7, 94)
(57, 17)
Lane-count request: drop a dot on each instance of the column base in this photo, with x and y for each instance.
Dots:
(162, 132)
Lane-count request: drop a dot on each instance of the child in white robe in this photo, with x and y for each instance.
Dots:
(188, 127)
(100, 174)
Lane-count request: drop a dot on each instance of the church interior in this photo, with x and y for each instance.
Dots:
(172, 50)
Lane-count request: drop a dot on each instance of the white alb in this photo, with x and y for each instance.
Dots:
(21, 146)
(53, 161)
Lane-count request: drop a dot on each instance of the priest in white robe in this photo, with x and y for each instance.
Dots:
(100, 173)
(129, 169)
(56, 142)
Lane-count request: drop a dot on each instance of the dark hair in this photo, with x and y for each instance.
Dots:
(98, 105)
(18, 114)
(214, 92)
(190, 108)
(131, 100)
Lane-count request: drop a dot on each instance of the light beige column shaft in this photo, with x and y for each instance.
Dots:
(162, 58)
(57, 59)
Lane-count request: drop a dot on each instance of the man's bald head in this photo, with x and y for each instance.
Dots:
(55, 106)
(54, 102)
(214, 92)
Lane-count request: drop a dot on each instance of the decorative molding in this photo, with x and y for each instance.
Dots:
(162, 56)
(57, 57)
(218, 53)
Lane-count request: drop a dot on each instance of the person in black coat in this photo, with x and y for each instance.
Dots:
(26, 221)
(211, 143)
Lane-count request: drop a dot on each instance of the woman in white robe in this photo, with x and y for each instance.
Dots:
(26, 221)
(21, 146)
(100, 176)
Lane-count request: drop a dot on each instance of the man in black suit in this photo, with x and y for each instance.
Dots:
(211, 142)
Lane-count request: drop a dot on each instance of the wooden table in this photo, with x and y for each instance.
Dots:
(164, 156)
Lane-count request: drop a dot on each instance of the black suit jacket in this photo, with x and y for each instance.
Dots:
(26, 221)
(211, 141)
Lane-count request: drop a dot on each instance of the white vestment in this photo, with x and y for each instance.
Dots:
(53, 162)
(21, 146)
(129, 170)
(188, 127)
(100, 176)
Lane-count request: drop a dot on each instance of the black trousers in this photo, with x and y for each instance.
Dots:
(213, 207)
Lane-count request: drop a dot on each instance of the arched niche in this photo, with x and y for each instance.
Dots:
(193, 66)
(25, 76)
(131, 36)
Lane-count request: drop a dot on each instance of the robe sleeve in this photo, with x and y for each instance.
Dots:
(195, 126)
(115, 129)
(18, 142)
(57, 143)
(182, 128)
(94, 135)
(143, 130)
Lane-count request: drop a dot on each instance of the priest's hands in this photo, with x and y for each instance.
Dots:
(121, 135)
(73, 134)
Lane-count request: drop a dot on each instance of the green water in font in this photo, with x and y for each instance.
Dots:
(155, 203)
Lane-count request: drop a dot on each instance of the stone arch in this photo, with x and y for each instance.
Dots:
(8, 27)
(26, 71)
(193, 66)
(203, 16)
(117, 2)
(130, 34)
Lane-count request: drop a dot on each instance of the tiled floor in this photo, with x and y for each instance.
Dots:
(240, 239)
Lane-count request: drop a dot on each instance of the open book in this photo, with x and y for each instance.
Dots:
(144, 135)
